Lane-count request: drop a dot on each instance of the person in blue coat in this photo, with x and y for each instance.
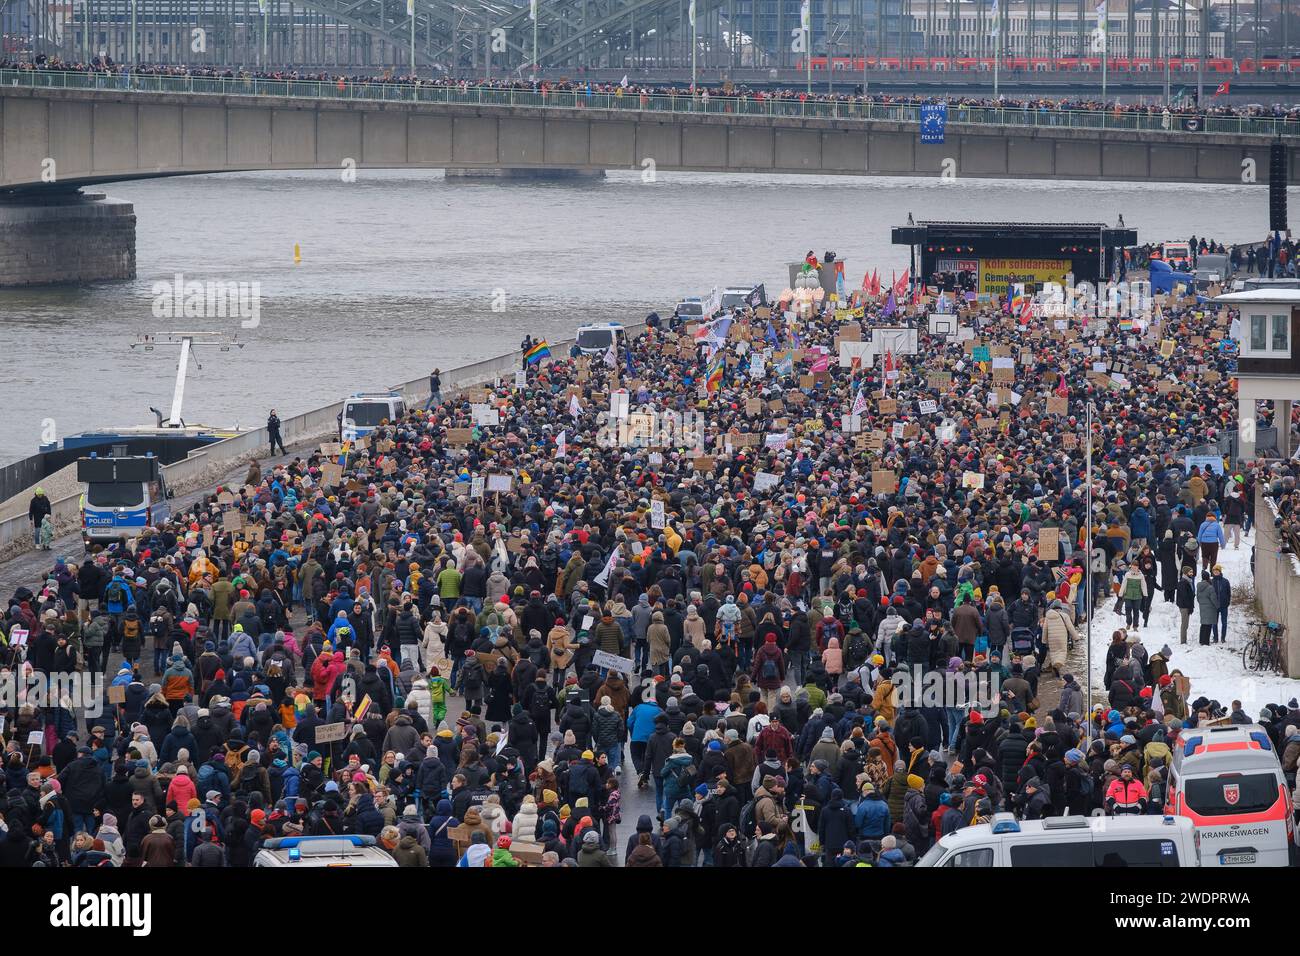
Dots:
(640, 728)
(1139, 525)
(1211, 538)
(871, 818)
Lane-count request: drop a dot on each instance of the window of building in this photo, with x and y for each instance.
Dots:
(1267, 336)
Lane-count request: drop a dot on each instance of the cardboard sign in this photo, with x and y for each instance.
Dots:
(1056, 405)
(888, 406)
(1049, 547)
(753, 406)
(459, 436)
(331, 474)
(477, 484)
(234, 520)
(116, 694)
(624, 665)
(657, 519)
(939, 380)
(331, 449)
(884, 482)
(704, 463)
(476, 395)
(972, 479)
(764, 480)
(328, 733)
(498, 483)
(225, 499)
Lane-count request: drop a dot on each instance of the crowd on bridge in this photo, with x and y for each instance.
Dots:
(961, 105)
(718, 599)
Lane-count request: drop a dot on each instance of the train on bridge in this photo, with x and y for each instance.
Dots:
(1219, 66)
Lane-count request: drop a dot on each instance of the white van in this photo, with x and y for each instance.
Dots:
(122, 496)
(322, 851)
(1069, 841)
(363, 412)
(1228, 782)
(596, 339)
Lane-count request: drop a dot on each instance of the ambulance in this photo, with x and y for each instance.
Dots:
(1228, 781)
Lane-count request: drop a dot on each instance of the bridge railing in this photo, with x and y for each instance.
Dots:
(631, 101)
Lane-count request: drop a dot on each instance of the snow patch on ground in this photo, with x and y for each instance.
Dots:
(1215, 671)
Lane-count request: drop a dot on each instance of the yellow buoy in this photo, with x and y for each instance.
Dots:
(297, 253)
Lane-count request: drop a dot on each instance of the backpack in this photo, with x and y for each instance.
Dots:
(685, 776)
(206, 775)
(748, 826)
(769, 671)
(115, 593)
(858, 649)
(1087, 785)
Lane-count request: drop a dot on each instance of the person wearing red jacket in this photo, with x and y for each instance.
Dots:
(327, 669)
(1126, 796)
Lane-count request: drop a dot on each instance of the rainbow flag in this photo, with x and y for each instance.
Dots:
(538, 352)
(713, 380)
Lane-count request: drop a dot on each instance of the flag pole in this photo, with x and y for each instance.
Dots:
(1087, 576)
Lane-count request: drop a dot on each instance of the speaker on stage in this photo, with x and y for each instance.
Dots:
(1277, 178)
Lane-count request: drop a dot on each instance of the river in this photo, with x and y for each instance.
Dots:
(401, 271)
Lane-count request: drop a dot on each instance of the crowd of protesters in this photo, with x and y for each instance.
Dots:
(847, 95)
(773, 573)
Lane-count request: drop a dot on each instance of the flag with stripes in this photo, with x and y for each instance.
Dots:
(538, 352)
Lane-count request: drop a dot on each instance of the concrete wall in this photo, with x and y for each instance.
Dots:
(1277, 580)
(84, 241)
(212, 463)
(106, 135)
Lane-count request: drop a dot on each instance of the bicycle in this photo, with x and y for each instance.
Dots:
(1264, 652)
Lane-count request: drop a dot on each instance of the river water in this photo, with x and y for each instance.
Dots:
(401, 271)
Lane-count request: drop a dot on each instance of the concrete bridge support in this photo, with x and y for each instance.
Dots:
(65, 236)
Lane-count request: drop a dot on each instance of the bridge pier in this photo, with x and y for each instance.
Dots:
(525, 173)
(65, 236)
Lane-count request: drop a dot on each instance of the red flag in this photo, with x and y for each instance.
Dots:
(875, 282)
(1222, 89)
(866, 283)
(901, 285)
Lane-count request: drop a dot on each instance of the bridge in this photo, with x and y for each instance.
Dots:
(60, 132)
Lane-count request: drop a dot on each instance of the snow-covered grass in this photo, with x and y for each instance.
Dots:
(1215, 671)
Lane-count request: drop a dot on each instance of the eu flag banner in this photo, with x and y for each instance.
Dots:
(934, 119)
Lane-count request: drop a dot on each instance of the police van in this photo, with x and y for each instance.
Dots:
(363, 412)
(596, 339)
(1148, 841)
(122, 496)
(311, 852)
(1228, 782)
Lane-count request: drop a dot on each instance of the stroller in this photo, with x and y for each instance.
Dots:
(1022, 641)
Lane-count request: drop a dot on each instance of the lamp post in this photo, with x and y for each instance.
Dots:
(694, 49)
(532, 14)
(410, 12)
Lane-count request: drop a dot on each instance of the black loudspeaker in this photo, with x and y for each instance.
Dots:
(1277, 176)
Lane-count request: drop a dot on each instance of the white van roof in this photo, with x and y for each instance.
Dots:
(1005, 826)
(1225, 748)
(322, 851)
